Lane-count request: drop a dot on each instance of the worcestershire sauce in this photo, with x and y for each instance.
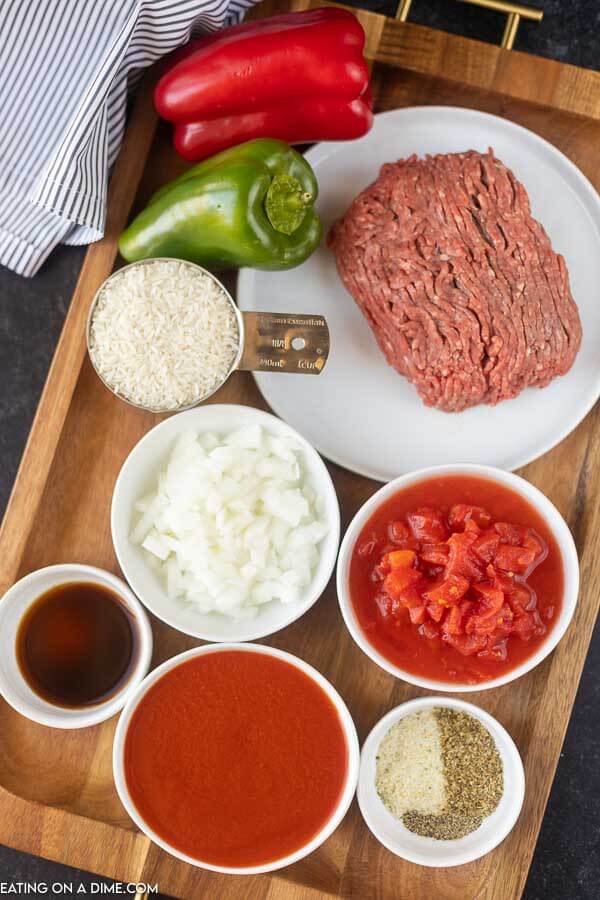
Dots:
(76, 644)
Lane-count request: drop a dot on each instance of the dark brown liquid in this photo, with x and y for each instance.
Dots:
(76, 644)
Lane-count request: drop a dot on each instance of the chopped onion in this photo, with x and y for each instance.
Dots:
(232, 523)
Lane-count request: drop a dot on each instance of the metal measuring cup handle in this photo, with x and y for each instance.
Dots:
(284, 342)
(267, 342)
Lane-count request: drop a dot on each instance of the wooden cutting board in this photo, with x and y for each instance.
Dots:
(56, 793)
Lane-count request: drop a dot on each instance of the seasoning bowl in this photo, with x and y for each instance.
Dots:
(14, 687)
(425, 851)
(535, 498)
(337, 814)
(266, 341)
(138, 475)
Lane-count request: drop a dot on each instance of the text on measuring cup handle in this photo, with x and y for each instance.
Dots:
(284, 342)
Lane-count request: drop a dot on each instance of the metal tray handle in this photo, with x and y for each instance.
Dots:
(513, 11)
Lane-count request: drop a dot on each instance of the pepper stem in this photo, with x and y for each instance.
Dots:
(286, 204)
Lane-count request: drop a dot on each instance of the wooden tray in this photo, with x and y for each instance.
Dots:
(56, 793)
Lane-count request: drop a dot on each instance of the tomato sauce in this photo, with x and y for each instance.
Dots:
(399, 575)
(235, 758)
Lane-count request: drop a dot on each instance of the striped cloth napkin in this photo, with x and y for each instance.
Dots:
(66, 67)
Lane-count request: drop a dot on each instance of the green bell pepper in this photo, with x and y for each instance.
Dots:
(251, 205)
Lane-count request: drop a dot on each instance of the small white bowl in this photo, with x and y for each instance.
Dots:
(541, 504)
(13, 685)
(427, 851)
(346, 721)
(138, 476)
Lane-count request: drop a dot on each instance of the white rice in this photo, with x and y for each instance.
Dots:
(163, 335)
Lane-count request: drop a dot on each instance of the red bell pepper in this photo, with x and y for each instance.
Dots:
(315, 119)
(298, 77)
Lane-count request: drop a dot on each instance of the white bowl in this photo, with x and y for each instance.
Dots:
(544, 507)
(347, 724)
(427, 851)
(138, 476)
(13, 685)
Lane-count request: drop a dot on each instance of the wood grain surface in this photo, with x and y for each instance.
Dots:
(56, 793)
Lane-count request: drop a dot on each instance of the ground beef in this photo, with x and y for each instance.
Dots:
(458, 281)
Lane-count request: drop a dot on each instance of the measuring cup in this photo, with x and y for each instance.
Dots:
(267, 341)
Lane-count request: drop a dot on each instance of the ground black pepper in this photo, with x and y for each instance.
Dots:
(446, 827)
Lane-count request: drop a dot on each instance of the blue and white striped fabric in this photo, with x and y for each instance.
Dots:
(65, 70)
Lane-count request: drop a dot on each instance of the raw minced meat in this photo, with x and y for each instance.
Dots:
(459, 283)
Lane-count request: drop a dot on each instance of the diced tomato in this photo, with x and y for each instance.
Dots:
(491, 596)
(400, 579)
(436, 611)
(455, 618)
(400, 559)
(417, 615)
(436, 554)
(410, 597)
(535, 543)
(428, 525)
(461, 560)
(521, 598)
(504, 620)
(485, 619)
(496, 622)
(500, 580)
(514, 559)
(457, 576)
(466, 608)
(467, 644)
(429, 630)
(400, 534)
(448, 591)
(481, 625)
(524, 626)
(453, 622)
(471, 525)
(462, 513)
(511, 534)
(486, 545)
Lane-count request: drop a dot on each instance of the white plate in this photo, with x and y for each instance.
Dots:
(428, 851)
(359, 412)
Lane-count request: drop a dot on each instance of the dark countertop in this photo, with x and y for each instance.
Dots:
(566, 865)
